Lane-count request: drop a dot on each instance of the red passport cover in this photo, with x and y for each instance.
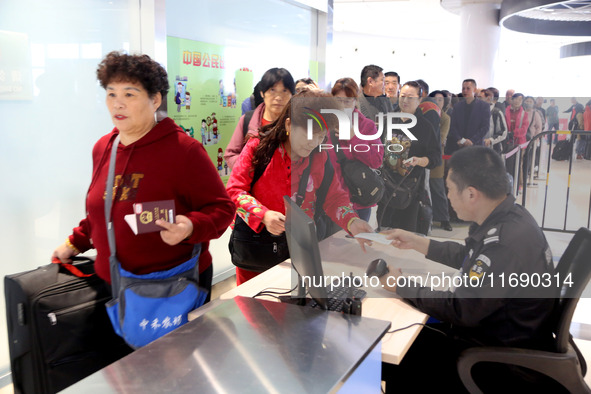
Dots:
(146, 214)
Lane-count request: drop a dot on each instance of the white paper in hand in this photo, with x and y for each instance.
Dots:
(375, 237)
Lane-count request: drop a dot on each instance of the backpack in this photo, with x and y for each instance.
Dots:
(365, 185)
(247, 118)
(562, 150)
(325, 227)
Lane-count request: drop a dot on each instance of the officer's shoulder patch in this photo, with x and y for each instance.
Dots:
(484, 259)
(480, 266)
(490, 240)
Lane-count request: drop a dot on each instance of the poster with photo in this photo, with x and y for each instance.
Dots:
(206, 93)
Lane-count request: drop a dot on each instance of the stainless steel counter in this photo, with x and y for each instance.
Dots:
(244, 345)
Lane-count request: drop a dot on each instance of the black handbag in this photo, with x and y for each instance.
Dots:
(399, 193)
(258, 252)
(366, 186)
(254, 251)
(425, 214)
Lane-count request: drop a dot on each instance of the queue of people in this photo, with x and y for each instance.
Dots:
(274, 153)
(260, 154)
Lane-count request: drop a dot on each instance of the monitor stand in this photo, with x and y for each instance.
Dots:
(299, 298)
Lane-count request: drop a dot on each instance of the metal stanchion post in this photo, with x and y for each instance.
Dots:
(516, 173)
(532, 164)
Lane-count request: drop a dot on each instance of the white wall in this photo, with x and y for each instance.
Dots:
(412, 58)
(419, 39)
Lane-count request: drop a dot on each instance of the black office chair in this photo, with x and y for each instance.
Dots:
(565, 363)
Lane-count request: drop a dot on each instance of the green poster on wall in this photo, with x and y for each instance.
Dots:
(205, 96)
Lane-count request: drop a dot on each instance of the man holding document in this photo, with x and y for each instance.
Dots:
(480, 307)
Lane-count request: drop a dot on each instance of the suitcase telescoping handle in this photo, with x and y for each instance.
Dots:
(71, 267)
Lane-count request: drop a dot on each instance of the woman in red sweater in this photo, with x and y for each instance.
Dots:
(155, 161)
(283, 151)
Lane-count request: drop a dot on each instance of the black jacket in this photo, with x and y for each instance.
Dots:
(496, 308)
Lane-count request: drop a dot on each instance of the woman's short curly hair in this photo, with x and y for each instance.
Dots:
(118, 67)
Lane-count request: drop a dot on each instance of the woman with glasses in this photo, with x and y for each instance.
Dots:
(405, 161)
(276, 88)
(370, 152)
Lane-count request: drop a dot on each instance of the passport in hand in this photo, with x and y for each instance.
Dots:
(143, 220)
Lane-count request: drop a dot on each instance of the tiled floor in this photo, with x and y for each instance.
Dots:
(222, 287)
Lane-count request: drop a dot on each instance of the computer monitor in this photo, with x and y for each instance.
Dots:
(304, 253)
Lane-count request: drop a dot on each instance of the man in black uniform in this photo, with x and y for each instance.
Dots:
(483, 308)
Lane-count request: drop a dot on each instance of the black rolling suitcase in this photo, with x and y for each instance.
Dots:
(58, 328)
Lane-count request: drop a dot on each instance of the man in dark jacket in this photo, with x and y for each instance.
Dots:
(470, 120)
(372, 100)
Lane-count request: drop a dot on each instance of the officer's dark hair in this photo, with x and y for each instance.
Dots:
(481, 168)
(372, 71)
(393, 74)
(274, 75)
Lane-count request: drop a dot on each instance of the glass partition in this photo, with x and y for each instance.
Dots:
(52, 112)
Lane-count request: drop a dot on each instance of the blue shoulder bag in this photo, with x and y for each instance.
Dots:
(146, 307)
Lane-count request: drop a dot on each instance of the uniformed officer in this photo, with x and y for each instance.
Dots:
(491, 299)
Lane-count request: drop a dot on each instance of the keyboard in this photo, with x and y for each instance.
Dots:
(338, 295)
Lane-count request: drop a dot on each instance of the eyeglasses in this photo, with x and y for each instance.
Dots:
(346, 100)
(277, 93)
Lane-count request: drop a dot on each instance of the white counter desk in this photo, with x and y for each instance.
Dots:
(341, 255)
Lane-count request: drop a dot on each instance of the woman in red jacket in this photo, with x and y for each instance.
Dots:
(155, 161)
(283, 152)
